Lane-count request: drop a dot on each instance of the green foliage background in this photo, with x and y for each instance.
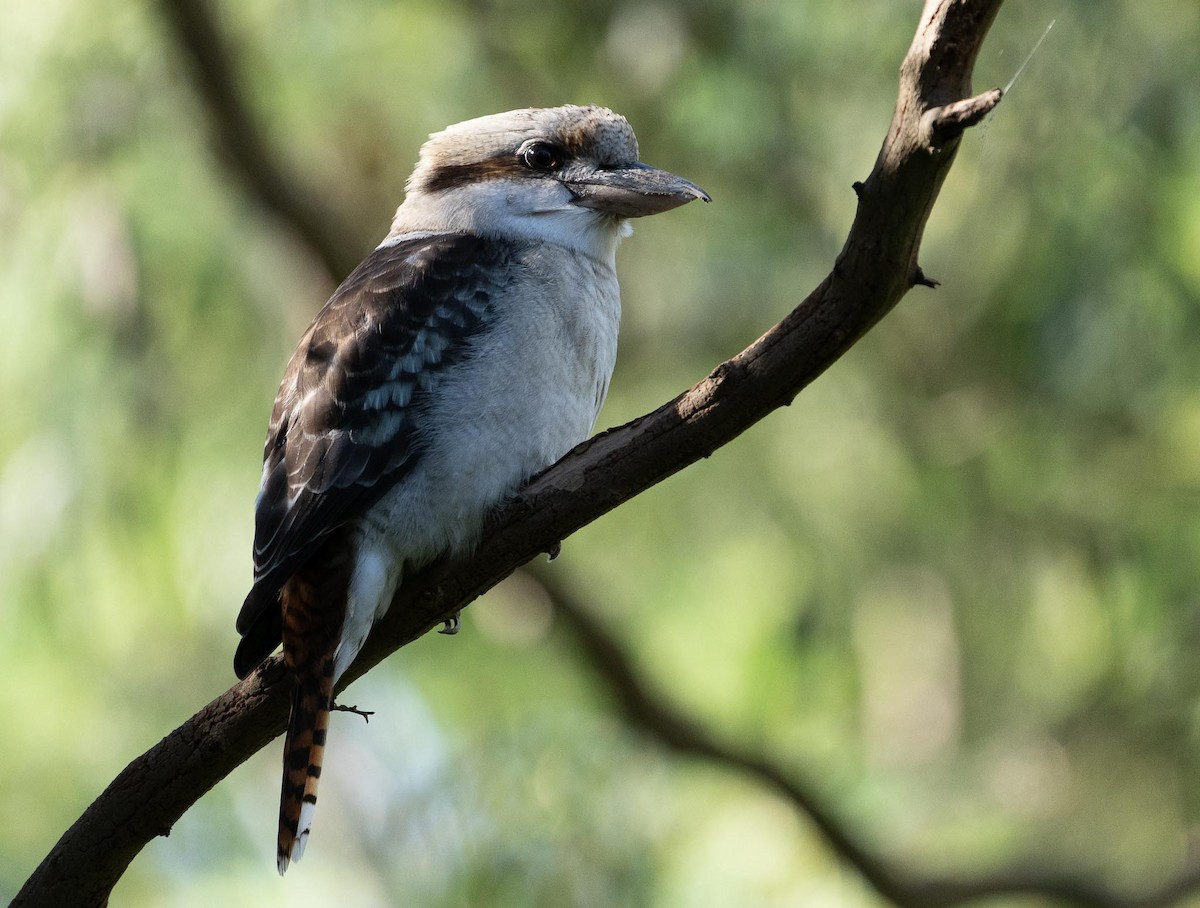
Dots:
(957, 582)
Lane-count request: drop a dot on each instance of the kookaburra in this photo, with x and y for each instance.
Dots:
(470, 350)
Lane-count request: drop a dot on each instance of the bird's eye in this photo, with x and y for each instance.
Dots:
(542, 157)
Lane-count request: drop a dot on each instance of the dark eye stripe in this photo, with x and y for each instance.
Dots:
(538, 157)
(450, 176)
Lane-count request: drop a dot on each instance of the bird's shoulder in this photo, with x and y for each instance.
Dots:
(400, 317)
(399, 296)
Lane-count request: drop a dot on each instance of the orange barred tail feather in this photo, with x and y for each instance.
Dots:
(313, 605)
(303, 753)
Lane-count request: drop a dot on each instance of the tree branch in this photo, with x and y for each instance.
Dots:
(652, 714)
(875, 268)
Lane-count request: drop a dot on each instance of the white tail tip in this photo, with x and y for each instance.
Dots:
(283, 861)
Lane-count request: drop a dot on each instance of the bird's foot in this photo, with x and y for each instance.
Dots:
(554, 551)
(365, 713)
(451, 625)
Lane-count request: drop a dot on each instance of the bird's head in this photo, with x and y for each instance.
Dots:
(566, 175)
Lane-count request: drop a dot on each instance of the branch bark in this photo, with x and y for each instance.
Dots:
(876, 267)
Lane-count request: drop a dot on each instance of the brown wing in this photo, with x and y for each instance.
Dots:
(346, 425)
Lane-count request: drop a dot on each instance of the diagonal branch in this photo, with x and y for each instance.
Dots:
(875, 268)
(649, 712)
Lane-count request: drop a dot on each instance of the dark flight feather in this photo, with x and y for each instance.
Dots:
(346, 425)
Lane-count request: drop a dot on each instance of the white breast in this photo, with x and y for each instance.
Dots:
(529, 390)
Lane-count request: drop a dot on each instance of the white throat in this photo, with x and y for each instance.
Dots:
(524, 209)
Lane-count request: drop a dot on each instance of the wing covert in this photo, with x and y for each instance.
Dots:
(346, 422)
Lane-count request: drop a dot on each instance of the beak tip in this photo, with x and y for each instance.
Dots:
(692, 191)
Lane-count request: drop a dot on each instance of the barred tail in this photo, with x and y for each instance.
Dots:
(313, 606)
(303, 751)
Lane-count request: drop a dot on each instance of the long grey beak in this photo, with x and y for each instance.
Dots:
(633, 192)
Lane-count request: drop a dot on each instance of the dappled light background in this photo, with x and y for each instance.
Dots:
(956, 584)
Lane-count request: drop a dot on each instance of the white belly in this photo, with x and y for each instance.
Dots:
(529, 391)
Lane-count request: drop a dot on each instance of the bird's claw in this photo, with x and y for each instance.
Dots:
(451, 625)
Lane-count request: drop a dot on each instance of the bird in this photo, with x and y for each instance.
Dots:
(471, 349)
